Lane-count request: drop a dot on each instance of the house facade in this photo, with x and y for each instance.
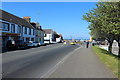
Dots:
(48, 36)
(52, 36)
(39, 32)
(15, 28)
(59, 38)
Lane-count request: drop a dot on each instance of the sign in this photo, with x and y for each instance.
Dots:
(10, 34)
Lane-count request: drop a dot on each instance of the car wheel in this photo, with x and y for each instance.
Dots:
(38, 45)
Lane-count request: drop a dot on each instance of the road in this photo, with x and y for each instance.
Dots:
(34, 62)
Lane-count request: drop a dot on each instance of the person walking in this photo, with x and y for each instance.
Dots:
(87, 44)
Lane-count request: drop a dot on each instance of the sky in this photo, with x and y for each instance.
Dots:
(65, 18)
(51, 0)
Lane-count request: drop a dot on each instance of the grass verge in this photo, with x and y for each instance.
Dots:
(112, 61)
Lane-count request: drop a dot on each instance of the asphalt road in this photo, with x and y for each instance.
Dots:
(34, 62)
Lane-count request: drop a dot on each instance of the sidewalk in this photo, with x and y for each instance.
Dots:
(82, 64)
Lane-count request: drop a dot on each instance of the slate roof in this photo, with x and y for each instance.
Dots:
(14, 19)
(48, 31)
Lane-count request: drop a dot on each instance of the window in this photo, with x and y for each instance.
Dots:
(33, 32)
(19, 29)
(1, 25)
(29, 31)
(3, 42)
(32, 39)
(45, 35)
(22, 29)
(5, 26)
(13, 28)
(23, 38)
(25, 31)
(27, 39)
(47, 40)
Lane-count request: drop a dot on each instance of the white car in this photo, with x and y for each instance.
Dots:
(32, 44)
(42, 43)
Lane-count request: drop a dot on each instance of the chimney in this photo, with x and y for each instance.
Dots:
(27, 19)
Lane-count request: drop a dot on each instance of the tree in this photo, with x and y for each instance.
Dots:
(105, 22)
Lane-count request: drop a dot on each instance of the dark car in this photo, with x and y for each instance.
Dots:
(16, 44)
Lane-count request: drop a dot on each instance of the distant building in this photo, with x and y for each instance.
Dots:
(51, 36)
(59, 38)
(48, 36)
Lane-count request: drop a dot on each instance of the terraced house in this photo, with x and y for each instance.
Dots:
(15, 28)
(39, 32)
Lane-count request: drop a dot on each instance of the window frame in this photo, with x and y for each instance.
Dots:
(33, 31)
(29, 31)
(3, 26)
(19, 29)
(25, 31)
(13, 28)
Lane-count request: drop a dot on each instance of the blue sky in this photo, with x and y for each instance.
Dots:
(63, 17)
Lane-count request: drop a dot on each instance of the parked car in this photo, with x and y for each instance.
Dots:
(94, 43)
(32, 44)
(53, 42)
(39, 44)
(42, 43)
(16, 44)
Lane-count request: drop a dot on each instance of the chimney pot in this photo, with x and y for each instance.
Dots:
(27, 18)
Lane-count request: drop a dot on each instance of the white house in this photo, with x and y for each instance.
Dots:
(28, 32)
(59, 38)
(16, 28)
(48, 36)
(52, 36)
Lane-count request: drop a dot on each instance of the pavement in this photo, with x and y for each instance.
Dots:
(83, 63)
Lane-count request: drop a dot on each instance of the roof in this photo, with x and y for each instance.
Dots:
(36, 26)
(14, 19)
(48, 31)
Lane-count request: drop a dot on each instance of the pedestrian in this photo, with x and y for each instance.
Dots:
(87, 44)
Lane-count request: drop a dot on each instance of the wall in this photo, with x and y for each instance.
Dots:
(28, 35)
